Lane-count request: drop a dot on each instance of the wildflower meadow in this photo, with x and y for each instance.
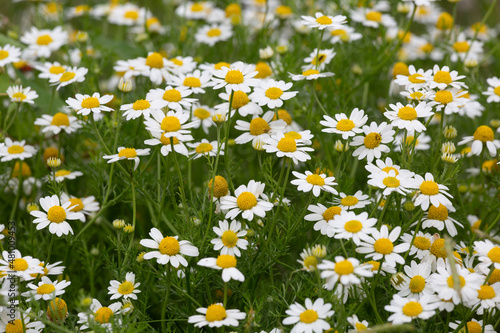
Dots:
(249, 166)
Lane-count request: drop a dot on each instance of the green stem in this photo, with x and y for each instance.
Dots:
(165, 300)
(181, 184)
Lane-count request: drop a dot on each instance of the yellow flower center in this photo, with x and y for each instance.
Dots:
(437, 248)
(246, 200)
(308, 316)
(66, 76)
(213, 32)
(192, 82)
(375, 265)
(445, 21)
(442, 77)
(391, 182)
(486, 292)
(360, 326)
(18, 264)
(14, 326)
(62, 173)
(229, 238)
(204, 147)
(170, 124)
(44, 40)
(56, 70)
(495, 276)
(321, 57)
(21, 169)
(407, 113)
(59, 306)
(15, 149)
(372, 140)
(239, 99)
(387, 169)
(45, 289)
(226, 261)
(331, 212)
(293, 135)
(349, 200)
(338, 32)
(494, 254)
(443, 97)
(152, 21)
(90, 103)
(232, 10)
(345, 125)
(287, 145)
(77, 203)
(215, 312)
(196, 7)
(422, 243)
(417, 284)
(127, 152)
(374, 16)
(461, 47)
(400, 68)
(19, 96)
(103, 315)
(324, 20)
(310, 72)
(438, 213)
(201, 113)
(283, 10)
(177, 62)
(451, 283)
(125, 288)
(220, 187)
(311, 262)
(429, 187)
(259, 126)
(344, 267)
(60, 119)
(169, 246)
(415, 78)
(166, 141)
(274, 93)
(284, 115)
(56, 214)
(497, 91)
(263, 70)
(383, 246)
(154, 60)
(234, 76)
(353, 226)
(3, 54)
(221, 64)
(315, 180)
(472, 327)
(412, 309)
(484, 133)
(172, 95)
(131, 14)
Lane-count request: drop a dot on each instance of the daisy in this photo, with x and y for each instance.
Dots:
(126, 289)
(206, 148)
(430, 192)
(417, 282)
(141, 107)
(466, 50)
(488, 254)
(406, 309)
(63, 174)
(259, 128)
(173, 124)
(346, 271)
(318, 59)
(315, 182)
(202, 116)
(84, 104)
(237, 77)
(230, 240)
(390, 182)
(11, 321)
(128, 69)
(488, 297)
(310, 318)
(377, 266)
(348, 225)
(304, 137)
(421, 245)
(483, 135)
(372, 144)
(9, 54)
(86, 205)
(406, 116)
(127, 14)
(287, 147)
(128, 154)
(16, 150)
(172, 98)
(59, 121)
(380, 244)
(310, 257)
(437, 217)
(347, 126)
(358, 326)
(46, 289)
(416, 95)
(442, 78)
(226, 263)
(216, 315)
(168, 249)
(272, 93)
(26, 268)
(323, 216)
(474, 325)
(195, 81)
(322, 22)
(246, 201)
(416, 79)
(241, 102)
(444, 283)
(310, 74)
(178, 143)
(20, 94)
(49, 70)
(154, 66)
(50, 269)
(41, 43)
(493, 91)
(56, 216)
(347, 202)
(372, 17)
(72, 74)
(214, 33)
(449, 101)
(180, 64)
(102, 316)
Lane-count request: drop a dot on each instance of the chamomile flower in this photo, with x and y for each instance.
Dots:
(391, 182)
(442, 78)
(22, 95)
(322, 22)
(309, 260)
(127, 14)
(216, 315)
(231, 238)
(416, 95)
(168, 249)
(444, 283)
(226, 263)
(437, 217)
(372, 144)
(154, 66)
(348, 225)
(474, 325)
(346, 271)
(195, 81)
(41, 43)
(493, 91)
(86, 205)
(64, 174)
(488, 297)
(358, 325)
(483, 136)
(202, 114)
(17, 321)
(259, 128)
(421, 141)
(488, 254)
(58, 122)
(372, 17)
(206, 148)
(85, 104)
(421, 245)
(347, 126)
(318, 59)
(170, 97)
(246, 200)
(9, 54)
(315, 182)
(126, 289)
(178, 143)
(238, 76)
(102, 316)
(214, 33)
(70, 75)
(26, 268)
(56, 216)
(380, 244)
(172, 124)
(241, 102)
(309, 318)
(448, 101)
(406, 309)
(181, 64)
(430, 192)
(418, 282)
(131, 154)
(407, 116)
(272, 93)
(310, 74)
(46, 289)
(323, 215)
(49, 70)
(355, 201)
(416, 79)
(287, 147)
(16, 150)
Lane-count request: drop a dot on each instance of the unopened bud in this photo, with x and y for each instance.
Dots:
(339, 146)
(125, 85)
(495, 123)
(128, 229)
(118, 224)
(140, 257)
(450, 132)
(32, 207)
(266, 53)
(448, 147)
(53, 162)
(449, 158)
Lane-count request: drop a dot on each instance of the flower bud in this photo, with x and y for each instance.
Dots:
(125, 85)
(53, 162)
(266, 53)
(450, 132)
(118, 224)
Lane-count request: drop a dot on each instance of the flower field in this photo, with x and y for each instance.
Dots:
(250, 166)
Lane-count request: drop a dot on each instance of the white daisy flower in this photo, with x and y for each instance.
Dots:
(46, 289)
(102, 316)
(310, 74)
(43, 42)
(315, 182)
(126, 289)
(474, 325)
(304, 137)
(493, 91)
(230, 240)
(488, 254)
(173, 98)
(26, 268)
(421, 245)
(12, 322)
(9, 54)
(22, 95)
(128, 68)
(272, 93)
(406, 309)
(345, 34)
(206, 148)
(416, 80)
(56, 216)
(84, 104)
(466, 50)
(310, 257)
(226, 263)
(417, 282)
(214, 33)
(448, 101)
(348, 225)
(50, 269)
(216, 315)
(310, 318)
(287, 147)
(355, 201)
(202, 116)
(128, 154)
(372, 17)
(141, 107)
(169, 249)
(416, 95)
(390, 182)
(237, 77)
(173, 124)
(16, 150)
(86, 205)
(380, 244)
(386, 166)
(259, 128)
(322, 22)
(246, 201)
(358, 325)
(49, 70)
(443, 282)
(179, 146)
(421, 142)
(180, 64)
(323, 216)
(347, 126)
(372, 144)
(318, 59)
(127, 14)
(407, 116)
(437, 217)
(241, 102)
(483, 136)
(442, 78)
(488, 298)
(58, 122)
(63, 174)
(195, 81)
(154, 66)
(346, 271)
(72, 74)
(430, 192)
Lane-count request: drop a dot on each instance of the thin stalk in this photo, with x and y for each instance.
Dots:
(181, 184)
